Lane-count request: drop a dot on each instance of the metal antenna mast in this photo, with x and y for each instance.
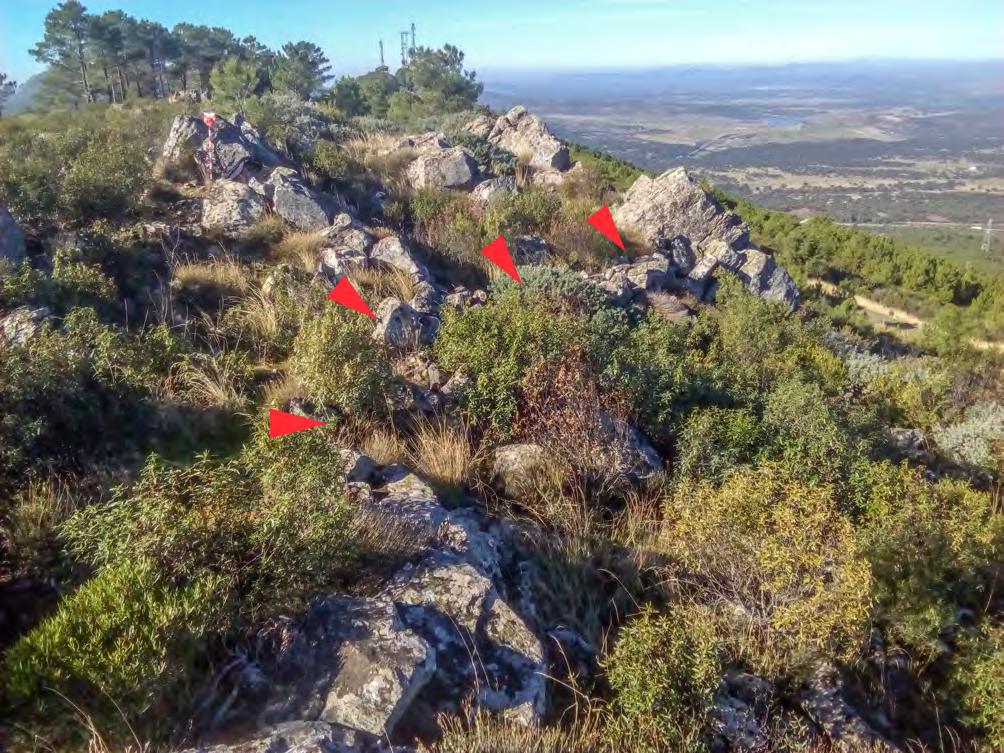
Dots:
(987, 238)
(404, 48)
(412, 35)
(383, 65)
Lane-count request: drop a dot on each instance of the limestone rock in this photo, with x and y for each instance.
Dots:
(399, 325)
(11, 239)
(443, 168)
(673, 205)
(847, 731)
(303, 737)
(239, 152)
(631, 454)
(742, 701)
(392, 252)
(485, 191)
(19, 326)
(299, 204)
(232, 207)
(526, 135)
(423, 142)
(649, 272)
(480, 126)
(767, 279)
(350, 661)
(346, 244)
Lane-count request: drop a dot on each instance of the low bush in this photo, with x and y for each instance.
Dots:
(533, 211)
(187, 558)
(339, 363)
(73, 395)
(778, 562)
(664, 670)
(496, 345)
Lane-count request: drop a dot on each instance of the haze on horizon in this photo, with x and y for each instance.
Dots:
(572, 34)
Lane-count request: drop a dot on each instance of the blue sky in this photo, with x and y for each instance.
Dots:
(576, 34)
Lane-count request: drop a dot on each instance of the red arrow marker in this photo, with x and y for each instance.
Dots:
(497, 252)
(346, 295)
(603, 221)
(280, 424)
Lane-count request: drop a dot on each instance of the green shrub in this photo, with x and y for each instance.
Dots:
(779, 563)
(126, 637)
(979, 683)
(532, 211)
(933, 549)
(496, 345)
(664, 671)
(333, 163)
(491, 159)
(186, 557)
(74, 395)
(105, 179)
(714, 440)
(340, 364)
(562, 286)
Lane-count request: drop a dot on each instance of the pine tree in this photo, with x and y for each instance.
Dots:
(7, 89)
(65, 42)
(300, 68)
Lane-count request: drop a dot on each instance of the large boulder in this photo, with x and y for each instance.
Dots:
(239, 151)
(231, 206)
(400, 325)
(299, 204)
(347, 244)
(486, 191)
(443, 168)
(21, 325)
(481, 126)
(527, 136)
(673, 205)
(350, 661)
(392, 252)
(11, 239)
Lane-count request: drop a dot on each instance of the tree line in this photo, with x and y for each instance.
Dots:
(113, 57)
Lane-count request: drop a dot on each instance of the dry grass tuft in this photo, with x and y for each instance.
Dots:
(381, 282)
(212, 380)
(281, 391)
(385, 446)
(444, 453)
(222, 273)
(301, 248)
(484, 732)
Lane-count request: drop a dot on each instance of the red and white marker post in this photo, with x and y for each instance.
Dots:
(209, 118)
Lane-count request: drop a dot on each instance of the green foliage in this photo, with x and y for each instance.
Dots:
(300, 68)
(562, 286)
(491, 159)
(530, 211)
(233, 80)
(616, 173)
(128, 633)
(778, 561)
(497, 344)
(714, 440)
(433, 82)
(7, 89)
(347, 95)
(933, 549)
(332, 163)
(186, 556)
(75, 394)
(664, 671)
(376, 88)
(340, 364)
(979, 682)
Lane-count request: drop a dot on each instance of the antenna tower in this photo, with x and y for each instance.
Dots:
(404, 48)
(413, 36)
(383, 65)
(987, 238)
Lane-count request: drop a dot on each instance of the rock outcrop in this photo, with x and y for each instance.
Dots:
(696, 235)
(239, 151)
(454, 167)
(21, 325)
(527, 136)
(395, 660)
(401, 326)
(485, 191)
(231, 206)
(299, 204)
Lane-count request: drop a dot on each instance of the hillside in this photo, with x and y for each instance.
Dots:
(664, 498)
